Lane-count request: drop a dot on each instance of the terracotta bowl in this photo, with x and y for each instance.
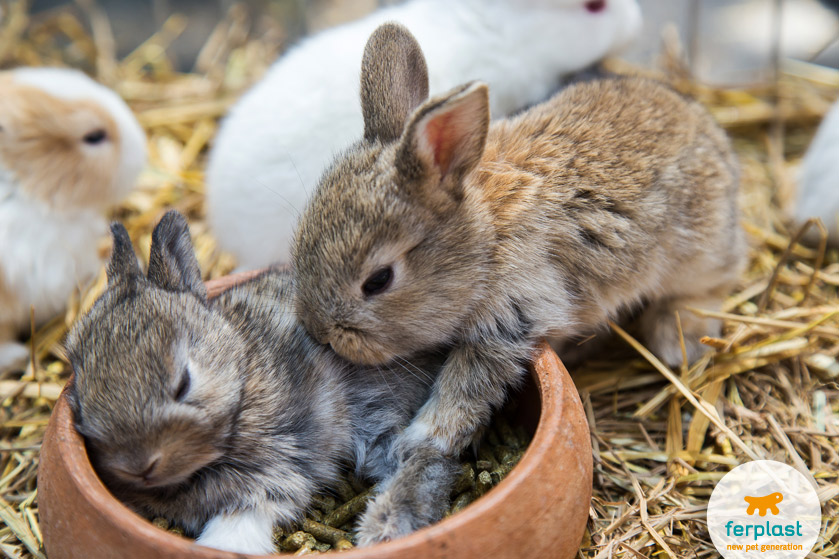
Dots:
(539, 510)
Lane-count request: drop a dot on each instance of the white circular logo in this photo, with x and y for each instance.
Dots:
(764, 509)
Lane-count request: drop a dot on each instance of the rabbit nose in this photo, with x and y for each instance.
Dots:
(320, 333)
(151, 465)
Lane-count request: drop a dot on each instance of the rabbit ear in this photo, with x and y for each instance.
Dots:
(123, 265)
(394, 81)
(172, 262)
(445, 139)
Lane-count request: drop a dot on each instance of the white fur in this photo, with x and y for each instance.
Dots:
(45, 254)
(242, 532)
(278, 139)
(419, 431)
(47, 251)
(70, 84)
(818, 185)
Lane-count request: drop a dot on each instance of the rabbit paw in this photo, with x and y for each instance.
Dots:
(658, 324)
(383, 521)
(12, 354)
(416, 496)
(241, 532)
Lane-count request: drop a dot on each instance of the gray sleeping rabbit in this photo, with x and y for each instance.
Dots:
(224, 415)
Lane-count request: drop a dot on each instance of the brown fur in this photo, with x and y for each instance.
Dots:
(551, 161)
(41, 143)
(614, 194)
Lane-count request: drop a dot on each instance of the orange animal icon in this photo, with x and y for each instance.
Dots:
(762, 504)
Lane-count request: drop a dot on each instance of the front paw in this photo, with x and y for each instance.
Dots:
(449, 437)
(241, 532)
(384, 520)
(417, 495)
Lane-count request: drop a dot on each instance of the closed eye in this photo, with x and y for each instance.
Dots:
(183, 386)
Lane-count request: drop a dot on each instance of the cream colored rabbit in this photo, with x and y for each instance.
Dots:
(69, 148)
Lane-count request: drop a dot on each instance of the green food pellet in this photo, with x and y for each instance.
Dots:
(348, 510)
(504, 453)
(461, 502)
(323, 532)
(343, 545)
(325, 503)
(485, 455)
(483, 484)
(466, 479)
(501, 472)
(344, 490)
(316, 515)
(297, 540)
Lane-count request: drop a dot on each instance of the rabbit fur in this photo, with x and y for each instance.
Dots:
(223, 415)
(279, 137)
(69, 148)
(818, 181)
(438, 229)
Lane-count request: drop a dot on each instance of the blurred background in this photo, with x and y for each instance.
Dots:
(728, 42)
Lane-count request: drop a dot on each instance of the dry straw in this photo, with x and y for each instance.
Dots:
(662, 438)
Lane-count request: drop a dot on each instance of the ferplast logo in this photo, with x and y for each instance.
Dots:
(764, 509)
(763, 504)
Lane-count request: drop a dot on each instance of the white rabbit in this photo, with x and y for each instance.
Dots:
(69, 148)
(277, 140)
(818, 182)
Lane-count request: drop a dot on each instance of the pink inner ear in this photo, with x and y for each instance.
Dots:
(442, 141)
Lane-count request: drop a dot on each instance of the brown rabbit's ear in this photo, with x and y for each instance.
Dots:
(172, 262)
(123, 265)
(394, 81)
(445, 139)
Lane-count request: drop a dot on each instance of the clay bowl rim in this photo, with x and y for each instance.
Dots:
(551, 379)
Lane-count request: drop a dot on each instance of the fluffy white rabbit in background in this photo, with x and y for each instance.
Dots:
(278, 139)
(818, 181)
(69, 149)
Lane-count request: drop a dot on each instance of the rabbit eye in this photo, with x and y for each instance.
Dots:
(378, 282)
(183, 387)
(95, 137)
(595, 6)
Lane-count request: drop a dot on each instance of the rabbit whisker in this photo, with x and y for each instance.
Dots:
(418, 371)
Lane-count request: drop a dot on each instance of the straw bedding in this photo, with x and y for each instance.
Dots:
(661, 438)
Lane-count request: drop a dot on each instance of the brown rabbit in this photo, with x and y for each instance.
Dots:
(438, 229)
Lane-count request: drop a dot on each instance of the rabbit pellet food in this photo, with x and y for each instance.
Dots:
(330, 525)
